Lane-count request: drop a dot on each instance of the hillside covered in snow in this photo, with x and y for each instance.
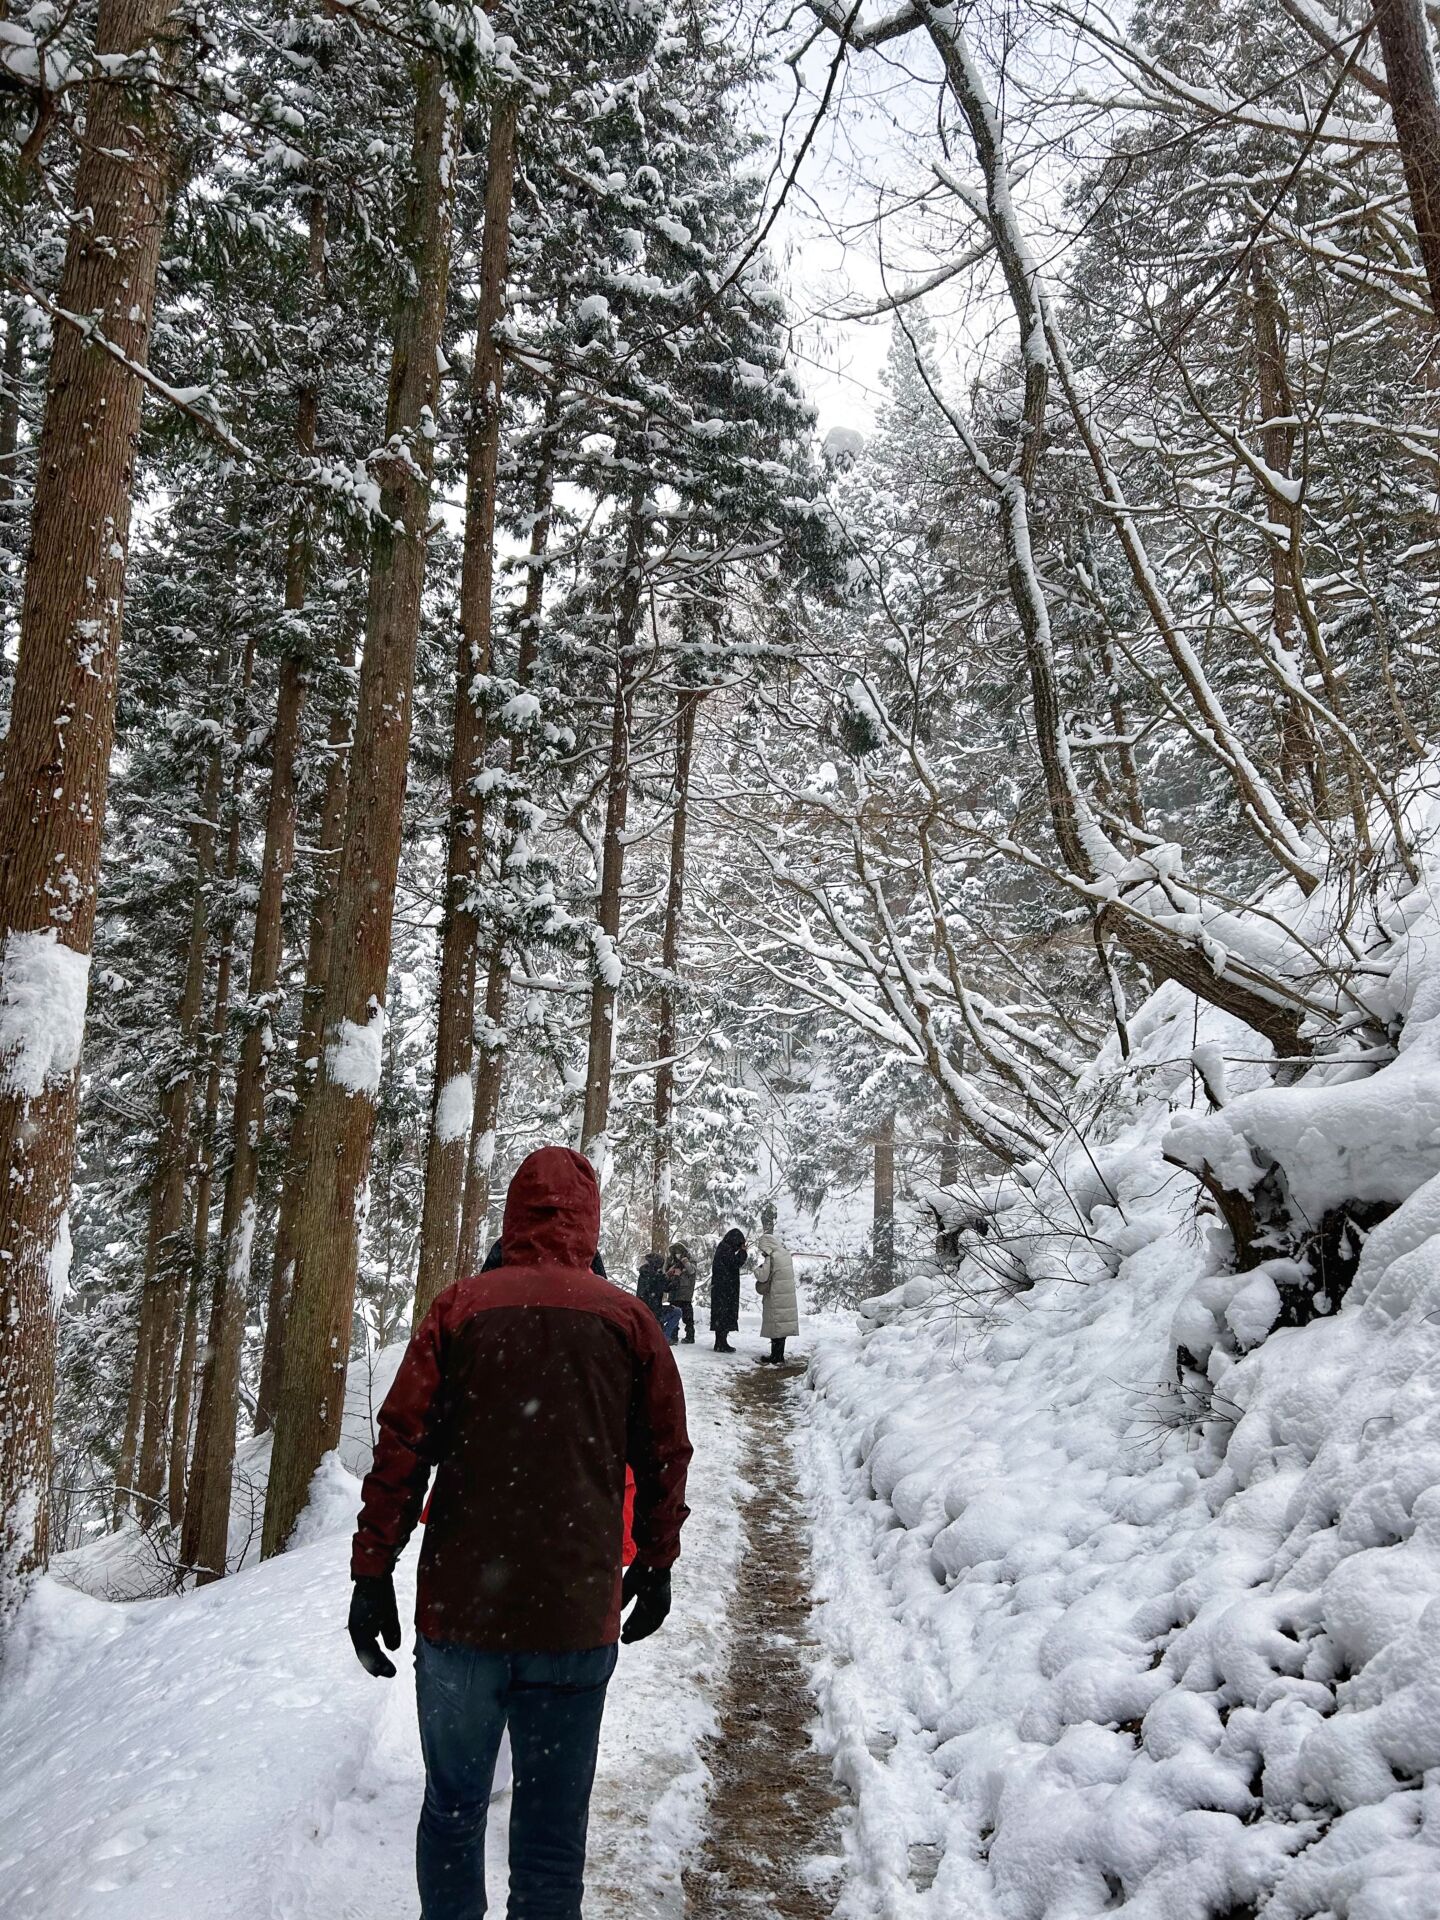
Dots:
(1128, 1507)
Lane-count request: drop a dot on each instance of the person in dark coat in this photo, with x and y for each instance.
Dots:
(680, 1285)
(725, 1268)
(650, 1282)
(528, 1390)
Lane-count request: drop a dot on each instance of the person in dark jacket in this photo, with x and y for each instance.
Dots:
(680, 1283)
(527, 1389)
(650, 1283)
(725, 1268)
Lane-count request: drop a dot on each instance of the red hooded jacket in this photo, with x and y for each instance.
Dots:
(528, 1389)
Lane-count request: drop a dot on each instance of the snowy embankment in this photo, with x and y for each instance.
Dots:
(1112, 1627)
(222, 1753)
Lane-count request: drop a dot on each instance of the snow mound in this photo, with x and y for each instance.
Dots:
(1114, 1627)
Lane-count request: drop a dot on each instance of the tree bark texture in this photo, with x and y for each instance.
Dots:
(1404, 33)
(57, 752)
(883, 1236)
(327, 1234)
(452, 1094)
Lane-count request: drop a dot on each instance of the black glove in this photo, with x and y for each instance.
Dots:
(649, 1588)
(373, 1616)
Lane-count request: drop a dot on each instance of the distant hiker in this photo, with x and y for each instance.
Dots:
(527, 1388)
(650, 1283)
(725, 1268)
(669, 1317)
(775, 1283)
(680, 1283)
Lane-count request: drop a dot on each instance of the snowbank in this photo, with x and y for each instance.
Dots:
(1105, 1633)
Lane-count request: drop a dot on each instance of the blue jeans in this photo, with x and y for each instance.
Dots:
(552, 1703)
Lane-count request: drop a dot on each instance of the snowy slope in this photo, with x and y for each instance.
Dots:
(1098, 1641)
(222, 1753)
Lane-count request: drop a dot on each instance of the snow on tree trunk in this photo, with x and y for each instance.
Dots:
(327, 1233)
(446, 1148)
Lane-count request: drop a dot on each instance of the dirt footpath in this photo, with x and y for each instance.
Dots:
(772, 1844)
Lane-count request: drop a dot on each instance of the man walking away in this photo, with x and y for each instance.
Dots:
(527, 1389)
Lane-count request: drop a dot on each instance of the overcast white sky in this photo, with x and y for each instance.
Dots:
(824, 242)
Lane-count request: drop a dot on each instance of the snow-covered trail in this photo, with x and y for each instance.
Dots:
(222, 1753)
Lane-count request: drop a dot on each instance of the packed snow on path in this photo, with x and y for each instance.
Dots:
(222, 1752)
(1099, 1635)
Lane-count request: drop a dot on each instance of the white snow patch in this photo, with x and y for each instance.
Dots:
(354, 1057)
(61, 1252)
(43, 989)
(455, 1109)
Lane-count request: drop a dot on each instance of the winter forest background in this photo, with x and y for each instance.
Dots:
(535, 721)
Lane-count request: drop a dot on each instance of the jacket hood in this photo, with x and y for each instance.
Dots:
(552, 1211)
(734, 1240)
(770, 1243)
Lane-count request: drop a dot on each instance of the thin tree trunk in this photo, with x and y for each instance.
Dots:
(329, 839)
(317, 1339)
(883, 1236)
(204, 1170)
(1415, 108)
(489, 1084)
(166, 1255)
(604, 992)
(490, 1077)
(57, 752)
(207, 1517)
(452, 1102)
(667, 1027)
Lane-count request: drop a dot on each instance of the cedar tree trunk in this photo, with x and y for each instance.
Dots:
(327, 1232)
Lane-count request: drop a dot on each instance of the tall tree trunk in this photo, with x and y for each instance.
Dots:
(490, 1076)
(203, 1169)
(328, 841)
(166, 1265)
(604, 991)
(452, 1102)
(57, 752)
(883, 1236)
(317, 1339)
(1405, 42)
(489, 1085)
(667, 1028)
(207, 1516)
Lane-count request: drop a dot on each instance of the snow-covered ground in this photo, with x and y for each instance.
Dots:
(222, 1752)
(1097, 1637)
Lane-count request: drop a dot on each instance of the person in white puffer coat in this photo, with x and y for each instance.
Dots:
(775, 1283)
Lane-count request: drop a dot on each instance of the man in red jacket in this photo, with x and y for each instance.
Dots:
(527, 1389)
